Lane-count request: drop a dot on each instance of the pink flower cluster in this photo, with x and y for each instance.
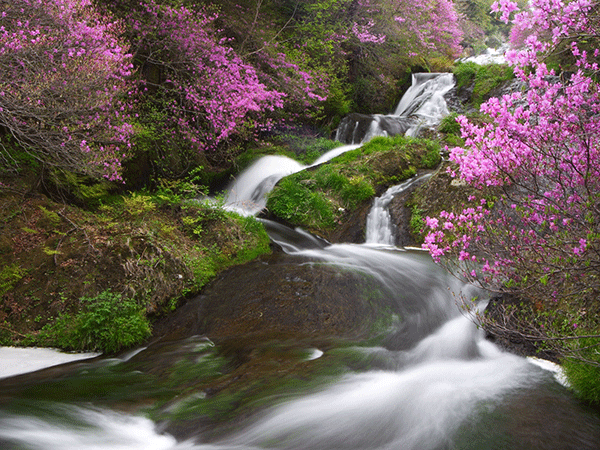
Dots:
(213, 93)
(63, 71)
(540, 152)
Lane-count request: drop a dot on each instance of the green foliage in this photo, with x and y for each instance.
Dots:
(82, 189)
(488, 78)
(9, 276)
(137, 205)
(256, 229)
(416, 221)
(484, 78)
(449, 125)
(296, 202)
(224, 238)
(158, 152)
(106, 323)
(356, 191)
(584, 375)
(175, 192)
(50, 219)
(432, 156)
(465, 73)
(306, 149)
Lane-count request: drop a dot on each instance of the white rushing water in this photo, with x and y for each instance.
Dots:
(425, 394)
(489, 56)
(16, 361)
(380, 229)
(246, 194)
(436, 380)
(423, 102)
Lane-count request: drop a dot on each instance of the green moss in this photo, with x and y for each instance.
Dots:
(484, 78)
(107, 323)
(9, 276)
(318, 198)
(295, 201)
(83, 190)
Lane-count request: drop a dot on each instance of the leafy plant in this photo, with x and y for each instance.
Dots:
(9, 276)
(107, 323)
(137, 204)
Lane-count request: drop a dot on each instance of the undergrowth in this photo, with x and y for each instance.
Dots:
(320, 197)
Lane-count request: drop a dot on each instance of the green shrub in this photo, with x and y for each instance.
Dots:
(432, 156)
(416, 221)
(485, 78)
(107, 323)
(9, 276)
(465, 73)
(584, 376)
(488, 78)
(449, 125)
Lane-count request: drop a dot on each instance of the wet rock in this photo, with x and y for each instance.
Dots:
(277, 297)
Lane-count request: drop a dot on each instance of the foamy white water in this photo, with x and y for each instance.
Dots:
(490, 56)
(84, 428)
(247, 194)
(15, 361)
(380, 229)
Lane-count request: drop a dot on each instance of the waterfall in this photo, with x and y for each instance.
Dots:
(380, 229)
(432, 380)
(422, 105)
(246, 195)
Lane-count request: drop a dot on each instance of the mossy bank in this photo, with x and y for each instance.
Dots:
(324, 199)
(68, 272)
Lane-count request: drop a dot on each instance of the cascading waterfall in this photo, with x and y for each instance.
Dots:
(423, 105)
(434, 383)
(246, 195)
(380, 229)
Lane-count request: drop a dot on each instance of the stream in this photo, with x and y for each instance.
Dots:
(343, 346)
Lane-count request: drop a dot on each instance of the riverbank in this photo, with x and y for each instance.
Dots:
(65, 268)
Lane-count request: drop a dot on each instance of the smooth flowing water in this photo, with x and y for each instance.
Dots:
(246, 195)
(434, 382)
(422, 106)
(429, 381)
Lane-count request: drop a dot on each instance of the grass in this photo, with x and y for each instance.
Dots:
(485, 78)
(152, 248)
(318, 199)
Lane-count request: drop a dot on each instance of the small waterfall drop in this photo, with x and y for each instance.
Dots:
(422, 105)
(247, 194)
(380, 229)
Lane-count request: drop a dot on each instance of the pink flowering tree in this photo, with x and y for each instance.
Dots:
(534, 230)
(332, 56)
(63, 75)
(203, 94)
(427, 28)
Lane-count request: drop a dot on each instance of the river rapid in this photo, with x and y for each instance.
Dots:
(412, 369)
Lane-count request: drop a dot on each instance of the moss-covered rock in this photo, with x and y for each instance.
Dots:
(138, 247)
(325, 198)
